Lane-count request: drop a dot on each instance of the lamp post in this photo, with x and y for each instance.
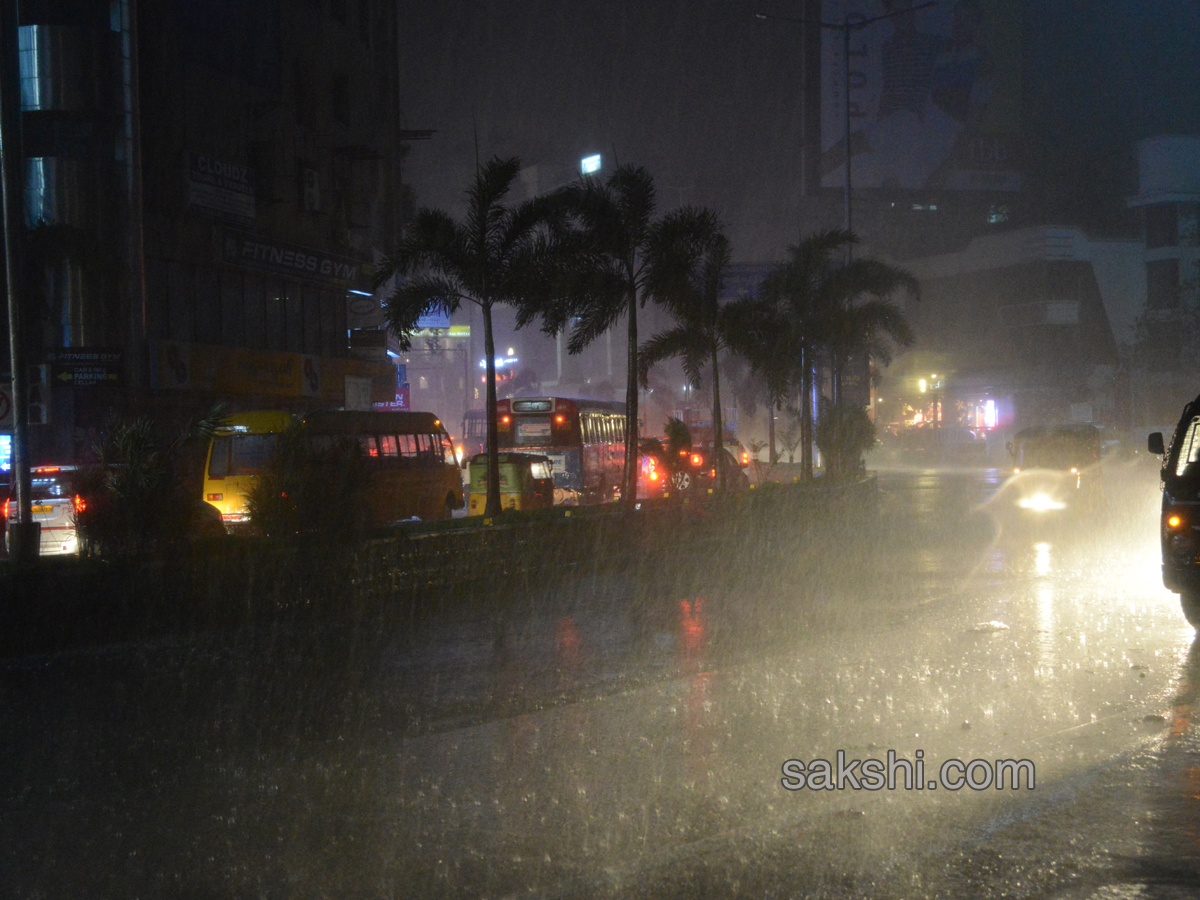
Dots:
(848, 24)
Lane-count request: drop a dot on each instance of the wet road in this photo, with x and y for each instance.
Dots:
(626, 740)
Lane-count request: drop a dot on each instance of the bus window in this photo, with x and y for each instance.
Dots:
(425, 447)
(447, 449)
(369, 445)
(239, 454)
(408, 446)
(388, 445)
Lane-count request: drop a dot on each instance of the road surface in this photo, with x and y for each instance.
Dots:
(613, 739)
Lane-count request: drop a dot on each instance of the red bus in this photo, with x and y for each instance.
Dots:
(585, 439)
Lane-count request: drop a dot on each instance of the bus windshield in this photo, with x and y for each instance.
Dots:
(240, 454)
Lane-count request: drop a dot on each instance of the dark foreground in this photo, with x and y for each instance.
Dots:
(620, 732)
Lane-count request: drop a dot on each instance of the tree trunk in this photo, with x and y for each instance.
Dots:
(772, 407)
(806, 418)
(718, 430)
(492, 507)
(629, 481)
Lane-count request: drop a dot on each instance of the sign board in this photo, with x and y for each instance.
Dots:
(83, 367)
(222, 187)
(358, 392)
(400, 404)
(934, 95)
(6, 404)
(265, 254)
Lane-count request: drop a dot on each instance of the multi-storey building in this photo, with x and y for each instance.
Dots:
(206, 182)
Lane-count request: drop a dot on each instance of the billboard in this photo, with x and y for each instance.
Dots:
(934, 95)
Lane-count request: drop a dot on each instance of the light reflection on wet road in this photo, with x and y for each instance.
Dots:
(622, 742)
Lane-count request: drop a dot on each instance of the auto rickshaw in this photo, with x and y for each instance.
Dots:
(526, 482)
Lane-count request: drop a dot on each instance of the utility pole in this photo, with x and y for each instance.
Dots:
(26, 533)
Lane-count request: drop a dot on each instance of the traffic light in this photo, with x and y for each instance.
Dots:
(39, 395)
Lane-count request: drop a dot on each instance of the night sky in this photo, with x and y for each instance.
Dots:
(706, 96)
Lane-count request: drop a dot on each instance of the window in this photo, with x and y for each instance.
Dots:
(369, 445)
(240, 454)
(1189, 448)
(1162, 284)
(408, 445)
(388, 445)
(1162, 226)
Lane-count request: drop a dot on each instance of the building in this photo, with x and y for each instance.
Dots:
(204, 183)
(1022, 328)
(1165, 371)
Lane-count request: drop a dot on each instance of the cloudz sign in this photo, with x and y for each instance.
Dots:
(289, 260)
(220, 187)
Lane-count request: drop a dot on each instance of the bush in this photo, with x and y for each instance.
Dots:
(310, 488)
(141, 493)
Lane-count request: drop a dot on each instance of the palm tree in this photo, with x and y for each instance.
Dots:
(606, 278)
(689, 261)
(816, 303)
(860, 320)
(497, 256)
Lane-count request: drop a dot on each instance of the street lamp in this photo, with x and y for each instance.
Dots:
(848, 24)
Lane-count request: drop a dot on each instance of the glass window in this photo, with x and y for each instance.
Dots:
(240, 454)
(1189, 448)
(388, 445)
(369, 445)
(408, 445)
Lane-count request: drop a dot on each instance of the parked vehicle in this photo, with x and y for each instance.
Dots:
(1179, 526)
(526, 482)
(55, 505)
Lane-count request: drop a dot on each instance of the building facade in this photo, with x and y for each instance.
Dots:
(206, 184)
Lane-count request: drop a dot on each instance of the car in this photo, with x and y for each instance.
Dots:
(1179, 525)
(56, 503)
(695, 471)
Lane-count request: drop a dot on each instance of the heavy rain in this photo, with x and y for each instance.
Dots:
(667, 450)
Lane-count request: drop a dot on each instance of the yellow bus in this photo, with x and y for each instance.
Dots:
(409, 461)
(412, 471)
(240, 448)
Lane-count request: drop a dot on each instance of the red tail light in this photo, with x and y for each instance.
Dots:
(80, 504)
(697, 459)
(7, 506)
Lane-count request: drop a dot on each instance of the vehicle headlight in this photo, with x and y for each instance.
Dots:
(1040, 503)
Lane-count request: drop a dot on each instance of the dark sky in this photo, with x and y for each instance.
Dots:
(707, 98)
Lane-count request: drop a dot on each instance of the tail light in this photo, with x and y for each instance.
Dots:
(697, 459)
(1174, 522)
(7, 507)
(211, 497)
(80, 504)
(745, 458)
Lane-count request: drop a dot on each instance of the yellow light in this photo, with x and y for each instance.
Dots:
(1174, 521)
